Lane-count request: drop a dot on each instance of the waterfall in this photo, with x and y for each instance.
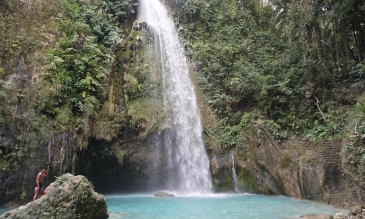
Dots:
(233, 169)
(186, 165)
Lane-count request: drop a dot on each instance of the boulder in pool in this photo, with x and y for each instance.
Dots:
(68, 197)
(164, 194)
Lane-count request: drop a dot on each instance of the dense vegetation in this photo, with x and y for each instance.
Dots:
(57, 59)
(296, 68)
(293, 68)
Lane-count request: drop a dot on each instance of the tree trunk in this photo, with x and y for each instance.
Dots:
(357, 42)
(360, 38)
(314, 44)
(336, 44)
(346, 45)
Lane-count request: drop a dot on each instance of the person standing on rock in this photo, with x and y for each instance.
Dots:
(38, 183)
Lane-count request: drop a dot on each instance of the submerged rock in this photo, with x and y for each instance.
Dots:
(316, 216)
(68, 197)
(117, 215)
(164, 194)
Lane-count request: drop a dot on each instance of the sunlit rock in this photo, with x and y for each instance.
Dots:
(339, 216)
(68, 197)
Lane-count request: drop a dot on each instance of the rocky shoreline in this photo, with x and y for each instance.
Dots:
(355, 212)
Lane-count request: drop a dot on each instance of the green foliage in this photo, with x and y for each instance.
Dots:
(360, 108)
(353, 151)
(56, 60)
(78, 67)
(77, 74)
(8, 98)
(242, 69)
(228, 135)
(275, 59)
(2, 73)
(120, 10)
(224, 134)
(275, 129)
(357, 119)
(318, 132)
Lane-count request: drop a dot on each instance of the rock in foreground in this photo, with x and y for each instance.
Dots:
(164, 194)
(68, 197)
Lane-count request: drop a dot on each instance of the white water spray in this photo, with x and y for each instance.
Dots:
(234, 175)
(187, 161)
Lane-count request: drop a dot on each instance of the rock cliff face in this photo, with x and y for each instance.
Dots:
(32, 138)
(296, 168)
(17, 182)
(68, 197)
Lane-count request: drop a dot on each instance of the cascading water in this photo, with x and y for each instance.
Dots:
(186, 165)
(234, 176)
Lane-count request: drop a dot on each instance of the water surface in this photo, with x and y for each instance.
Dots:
(222, 206)
(2, 211)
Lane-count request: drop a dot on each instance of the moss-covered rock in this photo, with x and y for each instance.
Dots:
(68, 197)
(295, 168)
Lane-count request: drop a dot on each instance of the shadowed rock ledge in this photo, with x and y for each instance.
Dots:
(68, 197)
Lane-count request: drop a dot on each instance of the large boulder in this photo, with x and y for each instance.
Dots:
(68, 197)
(355, 210)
